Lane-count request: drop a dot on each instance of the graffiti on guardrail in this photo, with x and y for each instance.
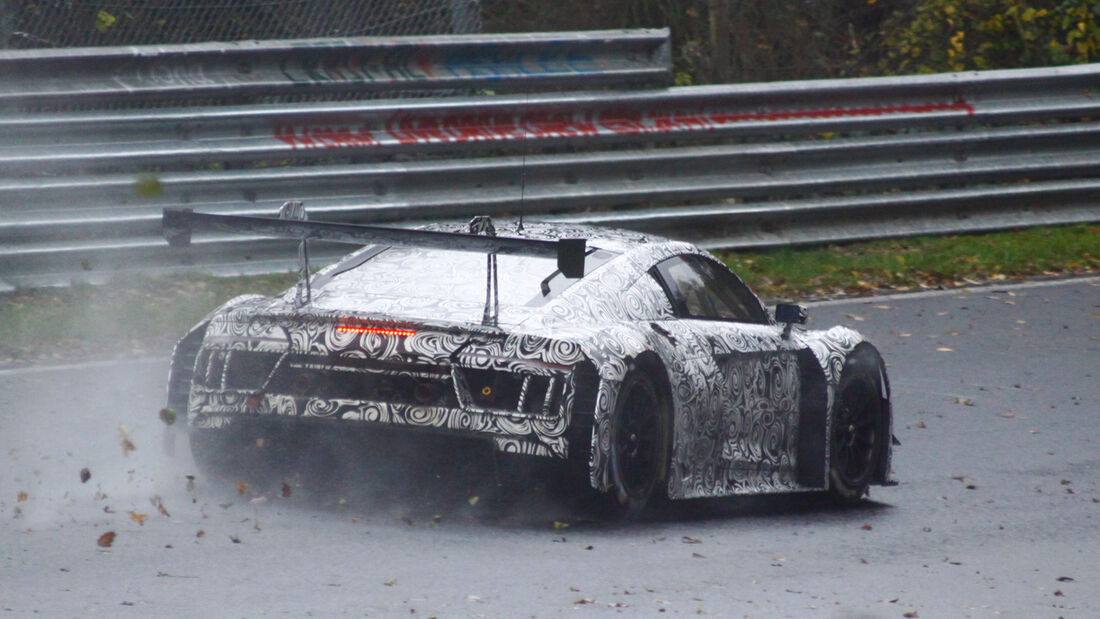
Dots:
(407, 129)
(413, 66)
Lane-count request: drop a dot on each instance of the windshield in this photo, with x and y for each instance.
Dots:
(451, 275)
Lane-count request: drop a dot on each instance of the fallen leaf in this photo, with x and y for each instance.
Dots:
(945, 349)
(106, 539)
(866, 527)
(242, 489)
(138, 518)
(260, 500)
(558, 525)
(1065, 482)
(127, 444)
(963, 401)
(910, 614)
(585, 601)
(167, 415)
(855, 317)
(159, 504)
(22, 496)
(286, 491)
(1064, 579)
(687, 539)
(85, 475)
(697, 555)
(473, 500)
(1008, 415)
(921, 425)
(391, 582)
(1059, 593)
(200, 533)
(234, 539)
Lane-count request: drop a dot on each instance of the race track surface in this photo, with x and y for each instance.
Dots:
(997, 404)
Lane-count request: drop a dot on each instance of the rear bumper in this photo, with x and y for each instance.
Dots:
(508, 431)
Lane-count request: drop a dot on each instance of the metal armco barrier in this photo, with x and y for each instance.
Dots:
(326, 66)
(726, 166)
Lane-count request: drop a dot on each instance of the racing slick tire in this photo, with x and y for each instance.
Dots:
(858, 425)
(639, 449)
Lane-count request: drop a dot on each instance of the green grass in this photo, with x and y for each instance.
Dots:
(145, 315)
(918, 262)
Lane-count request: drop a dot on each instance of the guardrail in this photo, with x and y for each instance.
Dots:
(95, 75)
(743, 165)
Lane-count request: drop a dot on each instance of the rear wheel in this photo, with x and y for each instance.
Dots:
(858, 425)
(640, 431)
(239, 452)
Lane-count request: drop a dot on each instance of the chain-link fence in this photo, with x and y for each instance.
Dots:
(72, 23)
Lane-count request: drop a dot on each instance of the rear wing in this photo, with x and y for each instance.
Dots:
(178, 224)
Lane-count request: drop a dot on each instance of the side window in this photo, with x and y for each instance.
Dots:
(699, 288)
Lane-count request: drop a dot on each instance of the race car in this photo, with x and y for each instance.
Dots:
(644, 360)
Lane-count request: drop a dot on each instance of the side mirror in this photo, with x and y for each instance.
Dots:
(790, 313)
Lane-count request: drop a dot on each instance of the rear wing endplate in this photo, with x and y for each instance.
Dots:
(178, 224)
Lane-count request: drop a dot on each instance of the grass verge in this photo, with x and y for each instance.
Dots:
(915, 263)
(145, 315)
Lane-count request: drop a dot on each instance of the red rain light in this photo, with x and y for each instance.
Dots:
(375, 330)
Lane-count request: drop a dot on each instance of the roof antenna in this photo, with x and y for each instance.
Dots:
(523, 165)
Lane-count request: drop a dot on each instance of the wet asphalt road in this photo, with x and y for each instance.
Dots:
(997, 404)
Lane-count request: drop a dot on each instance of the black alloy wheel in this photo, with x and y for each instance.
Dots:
(857, 432)
(639, 445)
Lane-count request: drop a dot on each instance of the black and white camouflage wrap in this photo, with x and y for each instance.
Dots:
(735, 387)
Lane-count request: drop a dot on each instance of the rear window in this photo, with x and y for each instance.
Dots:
(410, 272)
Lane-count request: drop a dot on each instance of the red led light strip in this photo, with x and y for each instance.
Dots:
(375, 330)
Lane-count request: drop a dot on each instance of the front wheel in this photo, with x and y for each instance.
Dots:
(640, 430)
(859, 425)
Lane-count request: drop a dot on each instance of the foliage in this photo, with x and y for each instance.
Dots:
(957, 35)
(719, 40)
(744, 41)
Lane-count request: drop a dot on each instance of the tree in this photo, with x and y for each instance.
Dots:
(957, 35)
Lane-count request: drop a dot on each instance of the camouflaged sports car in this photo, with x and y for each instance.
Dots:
(641, 358)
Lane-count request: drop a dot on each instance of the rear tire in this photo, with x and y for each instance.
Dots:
(239, 453)
(639, 453)
(859, 425)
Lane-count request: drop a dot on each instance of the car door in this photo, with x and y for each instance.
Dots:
(747, 434)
